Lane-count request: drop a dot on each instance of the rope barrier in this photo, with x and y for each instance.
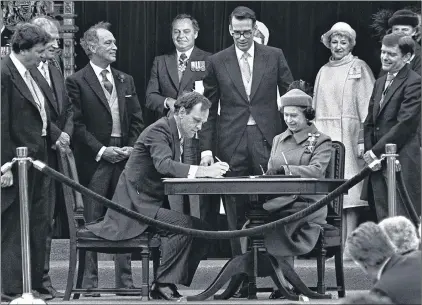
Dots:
(260, 230)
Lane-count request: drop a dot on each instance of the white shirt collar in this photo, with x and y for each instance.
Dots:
(239, 52)
(98, 70)
(188, 53)
(21, 68)
(382, 268)
(2, 28)
(41, 64)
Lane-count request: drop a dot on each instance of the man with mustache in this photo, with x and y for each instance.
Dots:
(108, 120)
(171, 75)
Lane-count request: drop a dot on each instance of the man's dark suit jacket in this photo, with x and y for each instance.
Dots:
(92, 116)
(223, 82)
(60, 107)
(156, 155)
(21, 124)
(397, 122)
(164, 80)
(401, 279)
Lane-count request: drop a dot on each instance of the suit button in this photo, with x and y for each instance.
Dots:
(377, 128)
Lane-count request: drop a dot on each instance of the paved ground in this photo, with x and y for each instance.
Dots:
(262, 299)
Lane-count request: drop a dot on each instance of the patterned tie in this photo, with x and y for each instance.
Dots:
(182, 140)
(44, 68)
(245, 69)
(388, 82)
(39, 100)
(106, 83)
(182, 65)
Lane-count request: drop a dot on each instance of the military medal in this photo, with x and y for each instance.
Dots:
(310, 144)
(196, 66)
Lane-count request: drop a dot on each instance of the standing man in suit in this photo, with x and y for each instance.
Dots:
(395, 276)
(108, 120)
(394, 117)
(25, 122)
(157, 154)
(171, 75)
(244, 78)
(51, 82)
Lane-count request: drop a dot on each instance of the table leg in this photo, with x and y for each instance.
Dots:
(297, 282)
(235, 266)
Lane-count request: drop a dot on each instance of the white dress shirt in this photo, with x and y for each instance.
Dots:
(43, 68)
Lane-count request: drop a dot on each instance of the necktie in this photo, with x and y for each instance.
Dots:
(182, 65)
(388, 82)
(182, 140)
(106, 83)
(245, 69)
(45, 73)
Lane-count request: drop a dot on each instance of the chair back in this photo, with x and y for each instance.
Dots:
(73, 199)
(335, 170)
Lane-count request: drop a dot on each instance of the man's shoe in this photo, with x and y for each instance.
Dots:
(276, 294)
(42, 294)
(161, 291)
(9, 297)
(242, 293)
(129, 293)
(91, 295)
(51, 290)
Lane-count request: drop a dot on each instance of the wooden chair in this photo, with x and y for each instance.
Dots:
(330, 239)
(80, 242)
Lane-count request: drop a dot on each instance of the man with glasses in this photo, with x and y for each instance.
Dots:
(244, 78)
(51, 81)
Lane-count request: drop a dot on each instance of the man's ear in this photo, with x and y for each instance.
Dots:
(407, 57)
(182, 111)
(92, 48)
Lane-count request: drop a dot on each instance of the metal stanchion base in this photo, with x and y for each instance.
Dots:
(27, 298)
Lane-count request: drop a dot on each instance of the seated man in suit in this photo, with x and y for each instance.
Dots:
(157, 154)
(395, 276)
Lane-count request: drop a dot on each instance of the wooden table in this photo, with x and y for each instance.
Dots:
(256, 262)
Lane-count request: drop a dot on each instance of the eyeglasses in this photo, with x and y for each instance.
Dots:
(246, 34)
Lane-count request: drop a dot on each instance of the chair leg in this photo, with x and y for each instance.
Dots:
(145, 272)
(341, 288)
(71, 272)
(321, 271)
(81, 269)
(155, 253)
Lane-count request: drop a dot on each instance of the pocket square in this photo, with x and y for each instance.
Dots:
(130, 95)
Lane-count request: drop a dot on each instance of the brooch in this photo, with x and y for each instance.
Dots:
(310, 143)
(121, 78)
(196, 66)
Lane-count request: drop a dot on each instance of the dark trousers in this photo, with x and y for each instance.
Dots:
(252, 152)
(11, 252)
(181, 254)
(104, 182)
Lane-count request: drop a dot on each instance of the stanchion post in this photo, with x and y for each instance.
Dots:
(27, 297)
(390, 154)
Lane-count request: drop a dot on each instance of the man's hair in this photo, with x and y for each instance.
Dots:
(241, 13)
(401, 232)
(406, 43)
(369, 245)
(188, 100)
(27, 35)
(195, 23)
(46, 23)
(91, 37)
(366, 298)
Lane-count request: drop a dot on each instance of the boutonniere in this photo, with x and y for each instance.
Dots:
(196, 66)
(311, 142)
(121, 78)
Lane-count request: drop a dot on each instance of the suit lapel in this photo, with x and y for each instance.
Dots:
(120, 86)
(19, 82)
(187, 75)
(259, 66)
(58, 85)
(95, 85)
(397, 82)
(171, 64)
(45, 87)
(233, 69)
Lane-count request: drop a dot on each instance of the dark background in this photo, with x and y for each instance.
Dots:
(142, 31)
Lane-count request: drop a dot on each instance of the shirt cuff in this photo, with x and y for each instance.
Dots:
(100, 153)
(206, 153)
(192, 171)
(165, 103)
(373, 155)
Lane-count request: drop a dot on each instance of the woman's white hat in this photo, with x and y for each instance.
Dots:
(341, 28)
